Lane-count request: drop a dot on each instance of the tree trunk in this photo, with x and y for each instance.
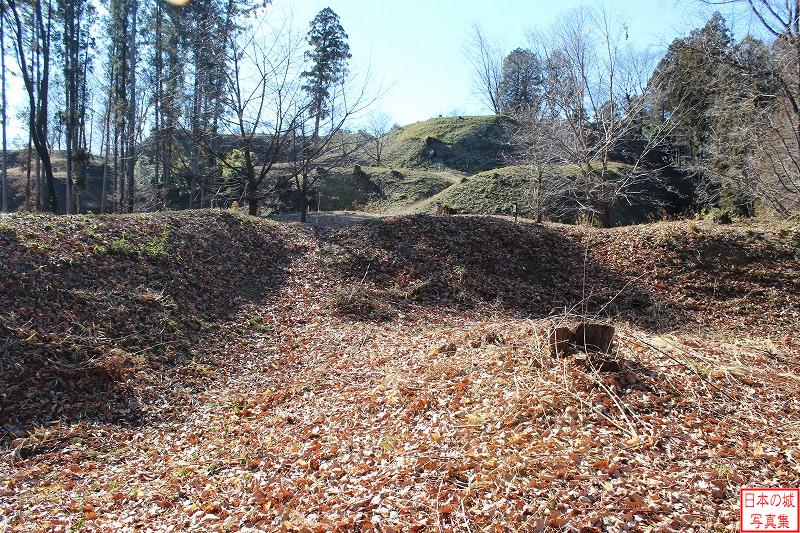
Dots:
(303, 206)
(37, 95)
(5, 151)
(107, 135)
(70, 41)
(132, 109)
(36, 60)
(122, 167)
(38, 183)
(194, 197)
(539, 184)
(116, 159)
(69, 133)
(157, 103)
(28, 165)
(251, 189)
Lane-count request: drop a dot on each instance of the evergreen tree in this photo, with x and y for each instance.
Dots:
(77, 17)
(324, 83)
(328, 58)
(521, 85)
(688, 79)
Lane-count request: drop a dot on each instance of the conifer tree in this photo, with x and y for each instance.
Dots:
(328, 58)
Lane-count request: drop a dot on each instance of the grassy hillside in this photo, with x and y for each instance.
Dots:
(373, 189)
(458, 161)
(380, 189)
(468, 144)
(494, 192)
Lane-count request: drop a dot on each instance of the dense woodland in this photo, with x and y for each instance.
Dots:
(208, 105)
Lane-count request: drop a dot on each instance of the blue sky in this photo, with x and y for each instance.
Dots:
(415, 46)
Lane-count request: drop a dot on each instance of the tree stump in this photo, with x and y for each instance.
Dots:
(562, 341)
(586, 337)
(594, 338)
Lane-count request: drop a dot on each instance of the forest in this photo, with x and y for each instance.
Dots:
(148, 105)
(245, 288)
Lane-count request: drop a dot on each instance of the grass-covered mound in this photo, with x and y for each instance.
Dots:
(495, 192)
(468, 144)
(380, 189)
(366, 188)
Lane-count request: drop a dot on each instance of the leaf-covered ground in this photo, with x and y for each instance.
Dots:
(392, 375)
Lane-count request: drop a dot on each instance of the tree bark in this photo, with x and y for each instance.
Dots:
(5, 151)
(303, 206)
(37, 96)
(107, 135)
(157, 182)
(132, 109)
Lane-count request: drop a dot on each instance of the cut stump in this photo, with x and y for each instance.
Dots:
(594, 338)
(586, 337)
(562, 341)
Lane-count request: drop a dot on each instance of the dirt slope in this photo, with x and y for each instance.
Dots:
(663, 276)
(392, 375)
(89, 302)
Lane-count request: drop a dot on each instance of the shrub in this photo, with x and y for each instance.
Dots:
(122, 246)
(7, 230)
(719, 215)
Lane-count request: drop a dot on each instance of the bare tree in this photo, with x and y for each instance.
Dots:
(485, 58)
(535, 152)
(271, 104)
(378, 124)
(263, 104)
(4, 171)
(596, 92)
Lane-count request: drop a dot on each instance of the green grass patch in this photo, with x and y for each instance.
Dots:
(377, 189)
(122, 246)
(468, 144)
(449, 129)
(258, 323)
(495, 192)
(7, 230)
(157, 248)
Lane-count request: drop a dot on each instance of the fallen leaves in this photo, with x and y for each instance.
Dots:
(450, 415)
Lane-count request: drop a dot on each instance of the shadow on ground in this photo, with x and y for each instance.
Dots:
(526, 269)
(92, 307)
